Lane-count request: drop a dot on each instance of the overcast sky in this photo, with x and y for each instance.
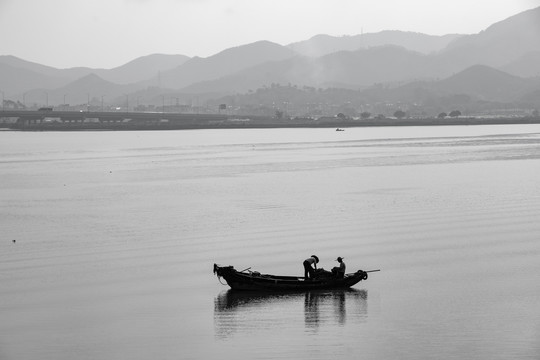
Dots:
(109, 33)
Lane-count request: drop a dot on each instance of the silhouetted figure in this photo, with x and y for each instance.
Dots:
(14, 241)
(339, 271)
(309, 271)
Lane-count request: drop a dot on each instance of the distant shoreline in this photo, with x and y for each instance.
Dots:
(263, 123)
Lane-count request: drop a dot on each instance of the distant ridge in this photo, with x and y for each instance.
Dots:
(485, 83)
(321, 45)
(526, 66)
(143, 68)
(350, 69)
(19, 63)
(498, 64)
(224, 63)
(499, 44)
(15, 79)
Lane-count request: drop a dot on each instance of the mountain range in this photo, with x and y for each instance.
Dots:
(499, 64)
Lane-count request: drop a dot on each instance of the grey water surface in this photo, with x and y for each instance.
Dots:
(116, 234)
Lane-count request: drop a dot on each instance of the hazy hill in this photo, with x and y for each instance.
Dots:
(137, 70)
(476, 88)
(224, 63)
(321, 45)
(503, 43)
(485, 83)
(253, 77)
(18, 75)
(348, 69)
(350, 62)
(78, 91)
(16, 80)
(375, 65)
(18, 63)
(526, 66)
(143, 68)
(498, 45)
(476, 83)
(532, 97)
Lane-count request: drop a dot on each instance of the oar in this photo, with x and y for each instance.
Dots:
(246, 269)
(373, 270)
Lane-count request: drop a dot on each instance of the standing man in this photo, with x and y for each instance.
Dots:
(309, 271)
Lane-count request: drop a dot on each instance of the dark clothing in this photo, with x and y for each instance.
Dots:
(339, 271)
(308, 270)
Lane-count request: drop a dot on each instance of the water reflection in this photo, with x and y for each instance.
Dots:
(237, 312)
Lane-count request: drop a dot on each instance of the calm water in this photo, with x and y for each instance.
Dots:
(116, 234)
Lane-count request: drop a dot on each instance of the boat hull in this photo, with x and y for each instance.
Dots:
(254, 281)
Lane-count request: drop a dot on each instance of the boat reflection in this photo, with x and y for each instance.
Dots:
(245, 311)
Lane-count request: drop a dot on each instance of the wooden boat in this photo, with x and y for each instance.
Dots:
(255, 281)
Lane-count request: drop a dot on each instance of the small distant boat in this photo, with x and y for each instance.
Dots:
(338, 129)
(255, 281)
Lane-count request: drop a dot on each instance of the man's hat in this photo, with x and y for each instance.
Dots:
(339, 258)
(315, 257)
